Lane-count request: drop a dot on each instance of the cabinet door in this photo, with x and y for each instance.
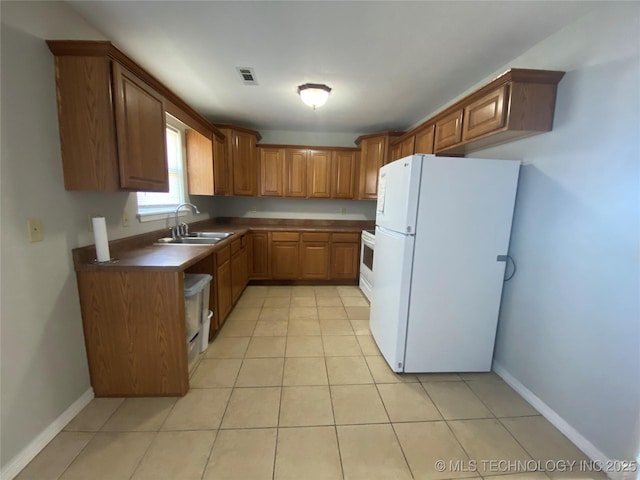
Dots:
(343, 174)
(485, 114)
(424, 140)
(284, 260)
(395, 152)
(237, 276)
(221, 173)
(271, 172)
(372, 157)
(243, 157)
(448, 130)
(199, 163)
(223, 282)
(407, 146)
(140, 132)
(314, 256)
(244, 267)
(295, 167)
(258, 255)
(319, 173)
(345, 260)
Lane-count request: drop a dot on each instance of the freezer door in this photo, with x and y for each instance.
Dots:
(398, 192)
(392, 265)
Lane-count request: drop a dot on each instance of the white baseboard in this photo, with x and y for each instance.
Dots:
(588, 448)
(22, 459)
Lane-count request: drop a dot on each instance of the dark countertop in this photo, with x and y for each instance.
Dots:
(140, 253)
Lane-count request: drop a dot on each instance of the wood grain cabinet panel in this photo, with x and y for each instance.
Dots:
(374, 153)
(424, 140)
(223, 282)
(200, 171)
(140, 132)
(314, 259)
(112, 126)
(407, 146)
(271, 172)
(319, 173)
(485, 114)
(395, 152)
(372, 157)
(343, 174)
(135, 335)
(345, 259)
(448, 130)
(243, 146)
(258, 253)
(295, 165)
(221, 170)
(285, 258)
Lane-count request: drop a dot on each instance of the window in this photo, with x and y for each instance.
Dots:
(152, 204)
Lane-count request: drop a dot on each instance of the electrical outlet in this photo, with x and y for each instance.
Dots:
(35, 230)
(125, 218)
(343, 211)
(253, 209)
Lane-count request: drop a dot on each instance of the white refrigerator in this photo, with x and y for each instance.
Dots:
(441, 224)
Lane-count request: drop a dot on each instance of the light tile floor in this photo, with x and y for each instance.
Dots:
(294, 387)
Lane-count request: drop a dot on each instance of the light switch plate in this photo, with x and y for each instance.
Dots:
(34, 226)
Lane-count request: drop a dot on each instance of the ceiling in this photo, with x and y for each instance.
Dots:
(389, 63)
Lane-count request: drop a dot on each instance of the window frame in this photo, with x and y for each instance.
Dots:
(151, 213)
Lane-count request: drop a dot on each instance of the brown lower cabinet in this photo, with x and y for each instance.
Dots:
(285, 252)
(314, 256)
(345, 256)
(258, 255)
(223, 285)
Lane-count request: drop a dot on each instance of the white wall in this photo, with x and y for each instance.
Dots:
(569, 328)
(316, 139)
(43, 361)
(259, 207)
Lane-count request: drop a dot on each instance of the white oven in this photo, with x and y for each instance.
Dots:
(366, 262)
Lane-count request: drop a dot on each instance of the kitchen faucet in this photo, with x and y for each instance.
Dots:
(183, 230)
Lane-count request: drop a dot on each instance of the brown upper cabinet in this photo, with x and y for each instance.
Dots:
(112, 122)
(517, 104)
(271, 172)
(448, 130)
(424, 140)
(299, 172)
(200, 174)
(343, 174)
(295, 172)
(374, 153)
(319, 173)
(241, 159)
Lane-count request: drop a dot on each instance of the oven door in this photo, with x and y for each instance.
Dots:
(366, 267)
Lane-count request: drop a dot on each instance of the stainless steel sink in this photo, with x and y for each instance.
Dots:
(188, 241)
(196, 238)
(221, 235)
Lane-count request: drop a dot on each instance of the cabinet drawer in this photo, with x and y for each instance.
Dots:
(485, 114)
(236, 245)
(285, 236)
(223, 255)
(315, 237)
(449, 130)
(346, 237)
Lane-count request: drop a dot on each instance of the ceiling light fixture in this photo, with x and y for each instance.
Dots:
(314, 94)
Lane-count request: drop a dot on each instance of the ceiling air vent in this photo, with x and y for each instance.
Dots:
(248, 75)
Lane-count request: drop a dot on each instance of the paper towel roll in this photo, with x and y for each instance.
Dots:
(102, 241)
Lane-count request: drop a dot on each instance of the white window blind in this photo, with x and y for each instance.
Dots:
(158, 202)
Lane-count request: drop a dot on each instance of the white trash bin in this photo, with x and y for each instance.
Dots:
(204, 334)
